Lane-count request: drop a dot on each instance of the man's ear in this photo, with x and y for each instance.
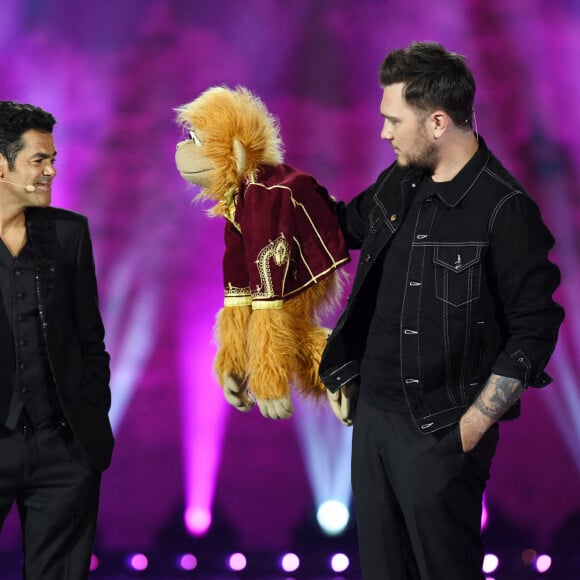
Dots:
(440, 123)
(239, 156)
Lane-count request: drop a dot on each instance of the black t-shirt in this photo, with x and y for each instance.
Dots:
(381, 383)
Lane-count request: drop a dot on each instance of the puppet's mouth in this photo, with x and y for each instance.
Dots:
(195, 172)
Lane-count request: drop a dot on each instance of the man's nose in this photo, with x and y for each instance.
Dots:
(49, 170)
(386, 132)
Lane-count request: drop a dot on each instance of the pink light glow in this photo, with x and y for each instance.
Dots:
(290, 562)
(138, 562)
(237, 562)
(339, 562)
(204, 412)
(543, 563)
(188, 562)
(484, 514)
(197, 520)
(94, 563)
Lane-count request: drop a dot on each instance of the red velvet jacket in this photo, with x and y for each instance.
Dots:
(283, 236)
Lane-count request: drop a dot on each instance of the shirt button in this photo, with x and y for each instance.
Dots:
(22, 366)
(20, 318)
(22, 342)
(394, 217)
(17, 272)
(19, 294)
(367, 257)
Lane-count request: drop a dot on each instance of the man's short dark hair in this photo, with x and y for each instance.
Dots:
(433, 78)
(16, 119)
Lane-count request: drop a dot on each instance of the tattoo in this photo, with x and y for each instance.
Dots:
(498, 395)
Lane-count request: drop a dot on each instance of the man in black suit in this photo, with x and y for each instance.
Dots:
(55, 434)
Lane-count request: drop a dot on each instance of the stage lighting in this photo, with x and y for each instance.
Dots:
(332, 517)
(138, 562)
(490, 563)
(543, 563)
(237, 562)
(290, 562)
(197, 521)
(484, 514)
(339, 562)
(188, 562)
(94, 563)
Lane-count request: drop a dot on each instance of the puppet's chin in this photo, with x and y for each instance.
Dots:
(203, 178)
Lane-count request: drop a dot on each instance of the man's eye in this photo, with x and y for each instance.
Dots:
(194, 138)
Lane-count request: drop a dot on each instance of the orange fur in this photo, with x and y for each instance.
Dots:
(285, 344)
(272, 353)
(230, 332)
(223, 115)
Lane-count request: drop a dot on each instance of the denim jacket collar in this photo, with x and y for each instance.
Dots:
(462, 183)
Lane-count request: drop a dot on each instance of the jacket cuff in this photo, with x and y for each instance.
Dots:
(518, 366)
(339, 376)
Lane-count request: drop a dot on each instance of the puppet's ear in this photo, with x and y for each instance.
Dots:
(240, 156)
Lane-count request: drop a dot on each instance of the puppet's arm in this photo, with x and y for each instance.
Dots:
(231, 362)
(285, 345)
(272, 355)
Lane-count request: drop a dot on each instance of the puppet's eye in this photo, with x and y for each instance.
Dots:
(194, 138)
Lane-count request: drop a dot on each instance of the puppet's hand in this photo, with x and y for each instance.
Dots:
(236, 393)
(276, 408)
(343, 402)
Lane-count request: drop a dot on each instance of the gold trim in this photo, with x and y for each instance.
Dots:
(230, 202)
(277, 251)
(237, 296)
(237, 301)
(266, 305)
(313, 280)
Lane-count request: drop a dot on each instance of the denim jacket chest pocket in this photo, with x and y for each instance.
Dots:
(457, 273)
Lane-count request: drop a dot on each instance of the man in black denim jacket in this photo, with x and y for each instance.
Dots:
(450, 318)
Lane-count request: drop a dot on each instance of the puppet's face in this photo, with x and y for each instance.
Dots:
(192, 162)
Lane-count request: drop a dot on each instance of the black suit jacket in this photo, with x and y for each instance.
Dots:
(66, 290)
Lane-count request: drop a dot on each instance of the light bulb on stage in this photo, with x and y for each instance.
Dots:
(333, 517)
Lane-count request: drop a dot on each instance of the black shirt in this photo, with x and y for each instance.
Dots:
(34, 390)
(381, 383)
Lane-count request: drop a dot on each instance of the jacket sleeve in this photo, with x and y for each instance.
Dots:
(91, 332)
(355, 216)
(526, 280)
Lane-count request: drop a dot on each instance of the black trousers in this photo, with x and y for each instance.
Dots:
(57, 495)
(417, 498)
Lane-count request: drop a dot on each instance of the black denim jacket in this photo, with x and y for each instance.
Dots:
(478, 295)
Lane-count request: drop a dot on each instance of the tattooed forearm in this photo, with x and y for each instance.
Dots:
(498, 395)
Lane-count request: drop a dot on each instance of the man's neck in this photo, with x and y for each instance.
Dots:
(11, 218)
(455, 152)
(13, 230)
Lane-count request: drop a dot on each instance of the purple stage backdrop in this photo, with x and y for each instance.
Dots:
(113, 71)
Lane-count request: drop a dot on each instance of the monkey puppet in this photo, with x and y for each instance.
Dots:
(283, 248)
